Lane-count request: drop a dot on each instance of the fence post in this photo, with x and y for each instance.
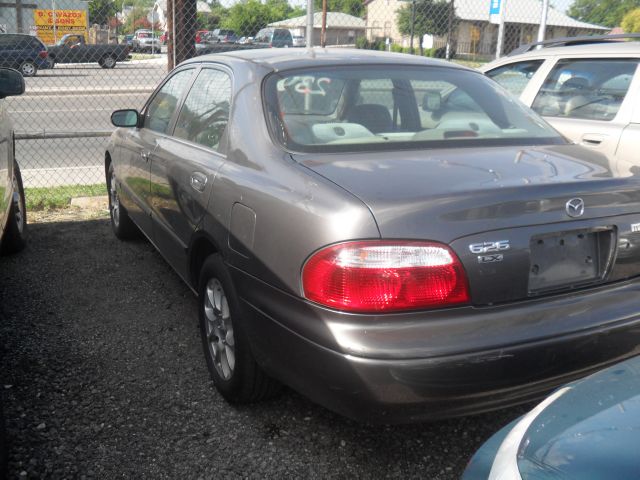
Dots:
(543, 20)
(309, 23)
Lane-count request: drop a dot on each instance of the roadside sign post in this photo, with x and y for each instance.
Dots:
(496, 15)
(543, 20)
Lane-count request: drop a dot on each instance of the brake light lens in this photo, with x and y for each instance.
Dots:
(43, 54)
(382, 276)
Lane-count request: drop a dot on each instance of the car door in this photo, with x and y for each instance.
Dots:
(587, 100)
(183, 166)
(627, 156)
(136, 148)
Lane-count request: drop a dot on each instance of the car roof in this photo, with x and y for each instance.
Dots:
(603, 48)
(285, 58)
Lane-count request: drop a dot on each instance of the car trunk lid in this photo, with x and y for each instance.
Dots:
(507, 212)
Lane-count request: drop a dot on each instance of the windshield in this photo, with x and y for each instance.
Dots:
(372, 107)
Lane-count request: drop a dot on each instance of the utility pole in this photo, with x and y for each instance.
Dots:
(184, 30)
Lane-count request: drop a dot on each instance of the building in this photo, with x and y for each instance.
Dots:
(475, 35)
(341, 28)
(35, 17)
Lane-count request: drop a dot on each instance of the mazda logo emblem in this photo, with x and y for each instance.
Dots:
(575, 207)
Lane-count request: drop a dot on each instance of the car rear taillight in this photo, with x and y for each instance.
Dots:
(385, 276)
(43, 54)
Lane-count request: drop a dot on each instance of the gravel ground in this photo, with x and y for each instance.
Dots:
(103, 376)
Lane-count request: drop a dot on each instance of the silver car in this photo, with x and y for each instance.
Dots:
(395, 237)
(587, 88)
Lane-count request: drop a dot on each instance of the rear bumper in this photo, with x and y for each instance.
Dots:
(421, 366)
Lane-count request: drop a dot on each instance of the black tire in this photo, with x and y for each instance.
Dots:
(108, 61)
(15, 234)
(28, 69)
(247, 382)
(52, 62)
(122, 225)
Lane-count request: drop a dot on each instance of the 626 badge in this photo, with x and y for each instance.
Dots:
(488, 247)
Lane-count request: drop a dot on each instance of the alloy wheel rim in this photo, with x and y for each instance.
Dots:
(114, 201)
(109, 62)
(18, 207)
(27, 69)
(219, 329)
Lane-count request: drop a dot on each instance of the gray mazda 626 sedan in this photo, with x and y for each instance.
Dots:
(396, 238)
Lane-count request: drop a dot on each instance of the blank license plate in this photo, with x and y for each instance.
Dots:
(566, 260)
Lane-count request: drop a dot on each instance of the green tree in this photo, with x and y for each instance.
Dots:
(608, 13)
(246, 18)
(101, 11)
(432, 17)
(352, 7)
(631, 21)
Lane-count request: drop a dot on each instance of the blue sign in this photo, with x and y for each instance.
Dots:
(494, 10)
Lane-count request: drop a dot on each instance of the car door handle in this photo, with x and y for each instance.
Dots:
(592, 139)
(198, 181)
(145, 155)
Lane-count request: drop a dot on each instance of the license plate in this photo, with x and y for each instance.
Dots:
(568, 259)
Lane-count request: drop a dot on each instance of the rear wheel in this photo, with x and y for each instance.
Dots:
(15, 233)
(232, 367)
(28, 69)
(108, 61)
(122, 225)
(51, 61)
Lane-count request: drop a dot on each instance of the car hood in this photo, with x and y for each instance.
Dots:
(591, 431)
(444, 194)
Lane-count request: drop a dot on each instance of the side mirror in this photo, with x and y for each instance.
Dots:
(432, 101)
(125, 118)
(11, 83)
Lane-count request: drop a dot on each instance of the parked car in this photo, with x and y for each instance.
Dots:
(588, 429)
(274, 37)
(146, 41)
(298, 41)
(201, 35)
(24, 53)
(13, 214)
(73, 48)
(128, 41)
(245, 40)
(584, 87)
(396, 238)
(224, 36)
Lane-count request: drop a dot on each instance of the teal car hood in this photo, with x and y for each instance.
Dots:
(590, 432)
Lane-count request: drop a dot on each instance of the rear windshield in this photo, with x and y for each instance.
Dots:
(375, 107)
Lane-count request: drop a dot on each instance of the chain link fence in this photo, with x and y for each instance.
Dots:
(82, 60)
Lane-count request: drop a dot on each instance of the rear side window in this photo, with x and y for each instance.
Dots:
(204, 116)
(515, 76)
(163, 105)
(592, 89)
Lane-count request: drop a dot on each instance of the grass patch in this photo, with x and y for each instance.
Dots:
(48, 198)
